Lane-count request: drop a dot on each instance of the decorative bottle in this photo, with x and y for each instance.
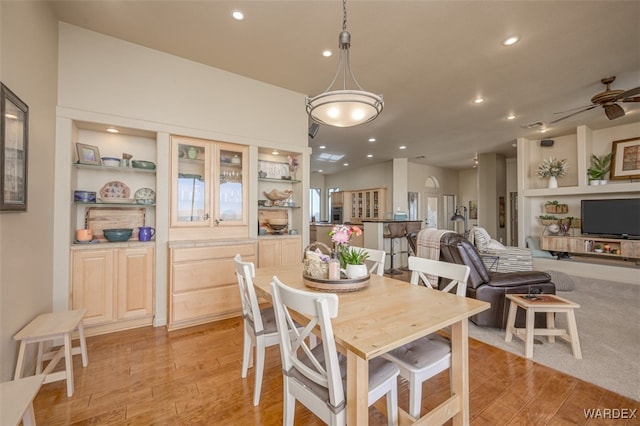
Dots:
(334, 266)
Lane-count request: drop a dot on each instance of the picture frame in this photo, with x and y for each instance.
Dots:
(625, 159)
(14, 148)
(88, 154)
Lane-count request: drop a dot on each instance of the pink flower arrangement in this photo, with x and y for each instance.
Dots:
(341, 234)
(293, 164)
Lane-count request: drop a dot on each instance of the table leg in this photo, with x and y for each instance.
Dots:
(573, 334)
(20, 361)
(529, 335)
(551, 324)
(68, 361)
(357, 390)
(460, 369)
(83, 345)
(511, 321)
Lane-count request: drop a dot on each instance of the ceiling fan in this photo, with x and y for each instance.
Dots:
(608, 100)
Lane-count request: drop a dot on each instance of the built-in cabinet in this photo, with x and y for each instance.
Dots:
(208, 189)
(606, 247)
(202, 282)
(365, 204)
(534, 193)
(279, 251)
(114, 284)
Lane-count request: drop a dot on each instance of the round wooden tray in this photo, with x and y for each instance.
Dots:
(336, 286)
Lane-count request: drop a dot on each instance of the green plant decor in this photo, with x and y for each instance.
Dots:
(552, 167)
(600, 166)
(352, 256)
(552, 203)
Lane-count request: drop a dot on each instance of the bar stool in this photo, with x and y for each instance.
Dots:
(397, 230)
(412, 229)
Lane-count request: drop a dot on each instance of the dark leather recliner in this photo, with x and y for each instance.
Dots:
(492, 286)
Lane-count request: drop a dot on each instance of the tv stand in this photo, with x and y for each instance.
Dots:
(613, 248)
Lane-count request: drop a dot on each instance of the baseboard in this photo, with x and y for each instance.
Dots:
(580, 268)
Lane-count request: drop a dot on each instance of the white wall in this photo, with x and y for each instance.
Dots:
(28, 34)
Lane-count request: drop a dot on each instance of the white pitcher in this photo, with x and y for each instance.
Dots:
(355, 271)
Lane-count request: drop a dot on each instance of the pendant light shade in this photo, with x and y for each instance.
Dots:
(344, 107)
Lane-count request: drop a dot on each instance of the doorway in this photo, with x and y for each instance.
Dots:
(513, 220)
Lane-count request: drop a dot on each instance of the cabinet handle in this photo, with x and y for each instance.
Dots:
(218, 221)
(206, 216)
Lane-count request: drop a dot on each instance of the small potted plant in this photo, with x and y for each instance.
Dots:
(552, 168)
(600, 166)
(597, 248)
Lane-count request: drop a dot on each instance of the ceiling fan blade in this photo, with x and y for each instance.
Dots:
(636, 99)
(573, 109)
(571, 115)
(628, 94)
(613, 111)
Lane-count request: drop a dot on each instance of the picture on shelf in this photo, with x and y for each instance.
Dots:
(88, 154)
(625, 162)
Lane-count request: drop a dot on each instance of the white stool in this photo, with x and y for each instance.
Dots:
(16, 400)
(45, 327)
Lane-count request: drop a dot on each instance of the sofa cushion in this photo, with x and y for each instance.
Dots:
(481, 237)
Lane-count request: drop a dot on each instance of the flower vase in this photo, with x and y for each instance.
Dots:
(356, 271)
(553, 182)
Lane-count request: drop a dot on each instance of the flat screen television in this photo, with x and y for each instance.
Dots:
(618, 218)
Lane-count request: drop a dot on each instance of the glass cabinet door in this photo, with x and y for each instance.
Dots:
(232, 188)
(191, 183)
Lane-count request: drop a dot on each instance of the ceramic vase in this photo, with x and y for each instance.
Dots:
(356, 271)
(553, 182)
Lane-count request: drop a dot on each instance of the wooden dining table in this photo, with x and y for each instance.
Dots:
(383, 316)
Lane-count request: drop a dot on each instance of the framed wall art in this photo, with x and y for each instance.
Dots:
(88, 154)
(625, 161)
(14, 141)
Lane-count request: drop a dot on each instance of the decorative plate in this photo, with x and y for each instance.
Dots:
(145, 196)
(114, 189)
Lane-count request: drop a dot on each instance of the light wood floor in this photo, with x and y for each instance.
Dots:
(192, 376)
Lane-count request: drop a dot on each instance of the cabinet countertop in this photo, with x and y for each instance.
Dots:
(272, 237)
(102, 245)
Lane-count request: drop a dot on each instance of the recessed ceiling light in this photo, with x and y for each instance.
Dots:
(345, 164)
(237, 15)
(511, 40)
(511, 116)
(369, 155)
(113, 130)
(478, 100)
(372, 139)
(322, 147)
(543, 130)
(327, 53)
(402, 147)
(275, 152)
(515, 145)
(320, 171)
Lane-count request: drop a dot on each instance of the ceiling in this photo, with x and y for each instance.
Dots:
(429, 59)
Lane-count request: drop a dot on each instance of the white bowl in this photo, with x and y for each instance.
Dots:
(111, 161)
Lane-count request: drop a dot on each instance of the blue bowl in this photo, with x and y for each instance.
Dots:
(117, 234)
(84, 196)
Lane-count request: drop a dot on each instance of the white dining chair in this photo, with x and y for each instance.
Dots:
(422, 359)
(375, 261)
(317, 376)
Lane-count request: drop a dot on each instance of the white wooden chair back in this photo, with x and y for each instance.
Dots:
(319, 366)
(458, 274)
(375, 261)
(245, 271)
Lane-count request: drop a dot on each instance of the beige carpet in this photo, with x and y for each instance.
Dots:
(609, 329)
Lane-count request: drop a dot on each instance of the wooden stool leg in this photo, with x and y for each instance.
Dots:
(551, 324)
(39, 358)
(573, 334)
(83, 345)
(29, 417)
(68, 361)
(20, 361)
(530, 329)
(511, 321)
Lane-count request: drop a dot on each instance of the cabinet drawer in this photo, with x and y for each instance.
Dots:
(202, 274)
(203, 303)
(220, 252)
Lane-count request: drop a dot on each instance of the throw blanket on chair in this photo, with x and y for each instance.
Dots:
(428, 243)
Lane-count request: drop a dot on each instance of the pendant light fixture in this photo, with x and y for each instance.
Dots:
(344, 107)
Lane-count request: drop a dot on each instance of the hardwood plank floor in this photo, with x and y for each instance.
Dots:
(149, 376)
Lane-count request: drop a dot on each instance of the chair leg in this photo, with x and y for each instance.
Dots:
(415, 397)
(246, 353)
(257, 387)
(289, 406)
(392, 405)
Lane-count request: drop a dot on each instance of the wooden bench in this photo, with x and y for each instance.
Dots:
(16, 400)
(48, 327)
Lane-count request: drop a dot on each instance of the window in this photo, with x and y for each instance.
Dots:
(314, 203)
